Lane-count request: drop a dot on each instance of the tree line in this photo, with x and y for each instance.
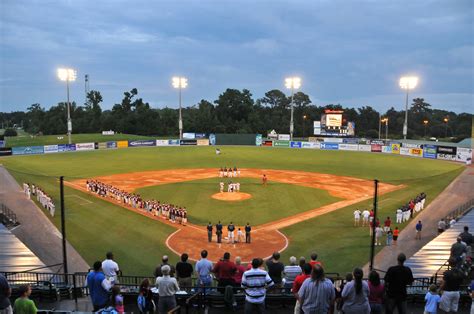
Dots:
(234, 111)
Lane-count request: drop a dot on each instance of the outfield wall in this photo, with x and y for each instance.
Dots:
(428, 151)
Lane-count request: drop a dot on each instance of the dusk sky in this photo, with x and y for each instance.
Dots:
(347, 52)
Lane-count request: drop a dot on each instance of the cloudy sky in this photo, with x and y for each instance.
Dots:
(348, 52)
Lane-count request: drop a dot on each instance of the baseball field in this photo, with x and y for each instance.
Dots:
(306, 206)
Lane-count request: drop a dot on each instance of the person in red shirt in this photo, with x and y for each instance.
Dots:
(299, 282)
(314, 260)
(387, 224)
(225, 271)
(240, 271)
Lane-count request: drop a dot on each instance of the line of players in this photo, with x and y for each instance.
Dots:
(173, 213)
(229, 173)
(41, 196)
(231, 187)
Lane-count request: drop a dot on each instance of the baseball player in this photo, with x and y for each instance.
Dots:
(357, 217)
(240, 236)
(238, 172)
(399, 215)
(229, 187)
(235, 171)
(237, 186)
(264, 179)
(221, 173)
(230, 233)
(365, 217)
(221, 187)
(225, 172)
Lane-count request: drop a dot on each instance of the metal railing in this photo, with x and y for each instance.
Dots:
(7, 216)
(460, 211)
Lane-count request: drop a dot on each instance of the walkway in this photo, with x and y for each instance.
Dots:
(35, 229)
(432, 256)
(460, 191)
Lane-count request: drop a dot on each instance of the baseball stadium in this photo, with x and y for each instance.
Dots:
(278, 202)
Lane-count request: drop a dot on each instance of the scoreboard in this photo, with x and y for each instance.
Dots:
(332, 123)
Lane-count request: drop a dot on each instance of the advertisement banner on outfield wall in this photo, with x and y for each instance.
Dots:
(203, 142)
(112, 144)
(329, 146)
(395, 148)
(162, 143)
(446, 150)
(187, 142)
(375, 148)
(48, 149)
(173, 142)
(352, 147)
(85, 146)
(404, 151)
(212, 139)
(66, 148)
(267, 143)
(312, 139)
(258, 140)
(281, 143)
(5, 151)
(350, 140)
(295, 144)
(387, 149)
(2, 143)
(464, 154)
(102, 145)
(409, 145)
(27, 150)
(332, 140)
(429, 151)
(283, 137)
(200, 135)
(189, 136)
(122, 144)
(416, 152)
(310, 145)
(139, 143)
(364, 148)
(446, 157)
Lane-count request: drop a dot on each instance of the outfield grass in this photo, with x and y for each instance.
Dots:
(94, 228)
(25, 139)
(268, 203)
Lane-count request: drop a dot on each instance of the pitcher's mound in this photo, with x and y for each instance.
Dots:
(234, 196)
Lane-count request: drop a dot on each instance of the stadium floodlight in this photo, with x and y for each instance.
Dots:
(68, 75)
(425, 123)
(407, 83)
(180, 83)
(292, 83)
(385, 120)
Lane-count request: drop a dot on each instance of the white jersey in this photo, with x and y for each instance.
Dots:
(366, 214)
(357, 214)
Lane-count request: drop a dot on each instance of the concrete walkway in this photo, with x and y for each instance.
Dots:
(460, 191)
(35, 230)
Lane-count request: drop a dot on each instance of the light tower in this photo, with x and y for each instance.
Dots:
(68, 75)
(180, 83)
(292, 83)
(407, 83)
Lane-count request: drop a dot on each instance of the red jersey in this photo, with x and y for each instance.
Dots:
(224, 270)
(387, 222)
(299, 282)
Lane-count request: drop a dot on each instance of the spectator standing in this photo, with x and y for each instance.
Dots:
(441, 226)
(298, 283)
(356, 295)
(225, 270)
(302, 261)
(432, 299)
(167, 288)
(5, 293)
(466, 237)
(387, 223)
(376, 293)
(255, 282)
(184, 271)
(204, 269)
(23, 305)
(378, 235)
(145, 298)
(275, 268)
(418, 228)
(396, 233)
(164, 261)
(396, 280)
(291, 271)
(452, 280)
(458, 251)
(389, 237)
(314, 260)
(98, 287)
(317, 294)
(110, 268)
(240, 271)
(117, 300)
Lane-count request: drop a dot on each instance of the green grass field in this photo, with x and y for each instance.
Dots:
(24, 139)
(268, 203)
(138, 242)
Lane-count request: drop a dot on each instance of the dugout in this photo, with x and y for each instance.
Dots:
(235, 139)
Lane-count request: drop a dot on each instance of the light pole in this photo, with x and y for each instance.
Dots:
(180, 83)
(385, 120)
(292, 83)
(380, 126)
(446, 120)
(68, 75)
(407, 82)
(425, 123)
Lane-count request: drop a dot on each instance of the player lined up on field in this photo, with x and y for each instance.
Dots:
(41, 196)
(174, 213)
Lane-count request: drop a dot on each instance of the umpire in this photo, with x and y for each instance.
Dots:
(218, 232)
(247, 233)
(209, 232)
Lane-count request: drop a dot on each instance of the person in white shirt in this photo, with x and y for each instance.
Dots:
(357, 217)
(365, 217)
(221, 187)
(399, 215)
(110, 268)
(378, 235)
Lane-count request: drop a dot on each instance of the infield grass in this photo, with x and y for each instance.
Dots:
(138, 242)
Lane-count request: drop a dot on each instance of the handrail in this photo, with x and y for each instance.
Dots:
(175, 310)
(9, 214)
